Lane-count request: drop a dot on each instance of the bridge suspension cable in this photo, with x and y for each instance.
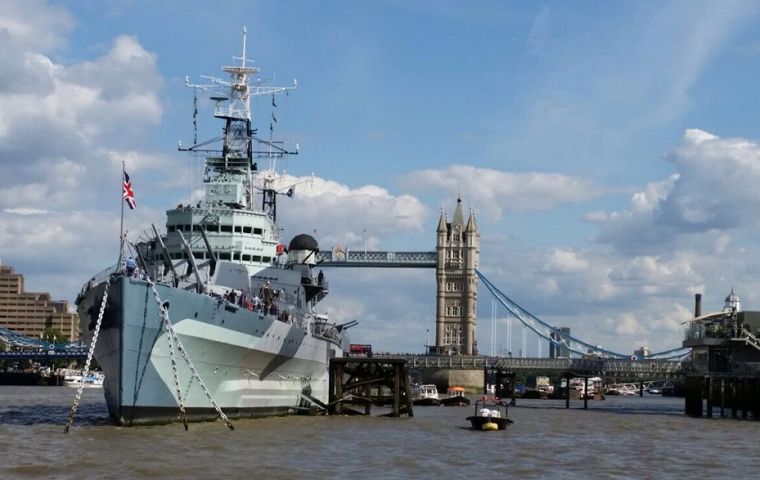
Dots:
(553, 334)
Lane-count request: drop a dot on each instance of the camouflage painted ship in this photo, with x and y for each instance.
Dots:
(241, 303)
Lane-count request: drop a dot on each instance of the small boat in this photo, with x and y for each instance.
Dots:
(426, 395)
(456, 398)
(490, 414)
(91, 380)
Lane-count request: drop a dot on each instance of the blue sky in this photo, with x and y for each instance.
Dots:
(609, 150)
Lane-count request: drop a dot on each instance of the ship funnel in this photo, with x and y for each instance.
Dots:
(697, 305)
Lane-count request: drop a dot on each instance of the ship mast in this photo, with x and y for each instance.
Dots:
(232, 99)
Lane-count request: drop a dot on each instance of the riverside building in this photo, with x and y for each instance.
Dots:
(30, 313)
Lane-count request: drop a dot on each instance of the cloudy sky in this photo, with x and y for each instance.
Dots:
(610, 151)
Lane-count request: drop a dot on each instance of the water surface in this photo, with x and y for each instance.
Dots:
(621, 437)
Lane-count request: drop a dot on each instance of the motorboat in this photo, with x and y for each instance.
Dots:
(455, 397)
(490, 414)
(426, 395)
(91, 380)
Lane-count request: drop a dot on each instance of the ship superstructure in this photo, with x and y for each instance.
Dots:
(220, 280)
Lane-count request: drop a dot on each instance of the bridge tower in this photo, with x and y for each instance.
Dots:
(458, 248)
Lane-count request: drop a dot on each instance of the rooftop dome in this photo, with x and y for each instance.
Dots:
(732, 302)
(303, 242)
(732, 297)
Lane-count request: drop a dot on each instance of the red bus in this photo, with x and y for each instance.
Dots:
(360, 350)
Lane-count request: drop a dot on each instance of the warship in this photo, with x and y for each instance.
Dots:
(216, 316)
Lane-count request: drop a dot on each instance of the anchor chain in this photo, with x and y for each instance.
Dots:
(182, 413)
(89, 359)
(173, 334)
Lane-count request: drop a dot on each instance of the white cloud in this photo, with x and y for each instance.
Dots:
(34, 24)
(495, 191)
(346, 216)
(540, 36)
(714, 190)
(566, 261)
(597, 217)
(624, 324)
(26, 211)
(54, 137)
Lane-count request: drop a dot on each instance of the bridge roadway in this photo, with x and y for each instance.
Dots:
(603, 367)
(377, 259)
(69, 354)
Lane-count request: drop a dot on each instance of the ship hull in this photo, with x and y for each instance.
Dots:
(252, 364)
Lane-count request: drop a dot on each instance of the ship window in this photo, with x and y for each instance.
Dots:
(246, 258)
(170, 228)
(238, 229)
(256, 258)
(224, 256)
(197, 228)
(257, 231)
(198, 255)
(247, 229)
(266, 259)
(226, 228)
(212, 228)
(235, 256)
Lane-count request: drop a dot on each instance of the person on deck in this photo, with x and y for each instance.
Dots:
(131, 266)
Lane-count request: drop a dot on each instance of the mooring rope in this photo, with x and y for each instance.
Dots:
(173, 334)
(89, 359)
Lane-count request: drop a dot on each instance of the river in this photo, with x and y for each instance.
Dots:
(621, 437)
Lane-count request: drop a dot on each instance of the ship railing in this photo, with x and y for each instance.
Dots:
(100, 277)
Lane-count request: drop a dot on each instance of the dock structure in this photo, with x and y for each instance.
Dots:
(724, 371)
(365, 381)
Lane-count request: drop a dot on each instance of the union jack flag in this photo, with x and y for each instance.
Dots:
(128, 195)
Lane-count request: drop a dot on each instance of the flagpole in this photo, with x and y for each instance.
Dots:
(121, 228)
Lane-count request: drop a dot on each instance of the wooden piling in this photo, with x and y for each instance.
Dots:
(694, 394)
(364, 381)
(585, 393)
(722, 397)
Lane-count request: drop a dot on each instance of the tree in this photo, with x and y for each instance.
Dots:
(52, 335)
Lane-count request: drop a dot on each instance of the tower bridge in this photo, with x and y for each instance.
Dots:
(455, 261)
